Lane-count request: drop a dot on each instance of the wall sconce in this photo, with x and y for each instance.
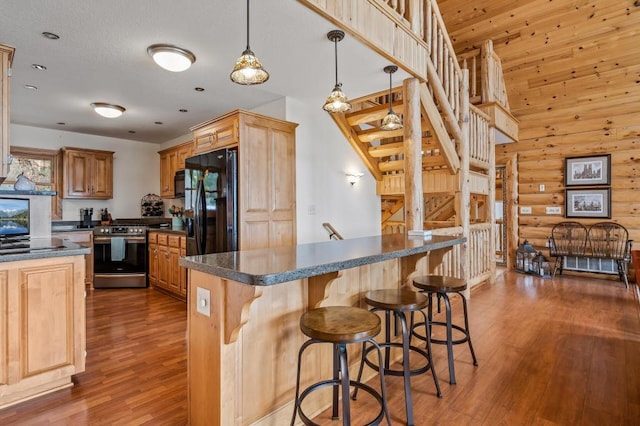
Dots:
(353, 178)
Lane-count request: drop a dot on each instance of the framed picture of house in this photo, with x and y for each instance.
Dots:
(594, 203)
(587, 171)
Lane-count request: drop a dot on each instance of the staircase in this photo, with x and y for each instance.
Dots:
(458, 166)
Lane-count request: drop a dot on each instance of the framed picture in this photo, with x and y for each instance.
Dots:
(594, 203)
(587, 171)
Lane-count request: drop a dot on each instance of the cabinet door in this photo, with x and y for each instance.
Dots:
(102, 170)
(168, 167)
(77, 174)
(153, 263)
(184, 152)
(217, 135)
(183, 271)
(173, 281)
(6, 55)
(163, 267)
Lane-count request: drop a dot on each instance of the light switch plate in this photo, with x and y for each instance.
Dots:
(554, 210)
(203, 301)
(525, 210)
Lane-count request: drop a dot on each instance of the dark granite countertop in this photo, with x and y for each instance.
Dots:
(277, 265)
(40, 248)
(169, 230)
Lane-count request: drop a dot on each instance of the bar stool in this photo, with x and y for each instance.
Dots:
(340, 325)
(399, 301)
(442, 286)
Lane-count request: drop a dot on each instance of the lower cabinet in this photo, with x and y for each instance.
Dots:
(43, 332)
(165, 273)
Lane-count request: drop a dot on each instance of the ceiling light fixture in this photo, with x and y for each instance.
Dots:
(391, 121)
(108, 110)
(171, 58)
(30, 87)
(50, 36)
(337, 100)
(248, 69)
(38, 67)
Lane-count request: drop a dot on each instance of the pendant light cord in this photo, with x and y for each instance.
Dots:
(390, 96)
(248, 47)
(335, 45)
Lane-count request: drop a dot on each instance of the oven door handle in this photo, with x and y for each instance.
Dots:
(126, 239)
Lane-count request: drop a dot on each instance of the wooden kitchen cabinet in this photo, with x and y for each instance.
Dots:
(171, 160)
(84, 238)
(165, 273)
(266, 174)
(43, 333)
(87, 173)
(6, 57)
(215, 134)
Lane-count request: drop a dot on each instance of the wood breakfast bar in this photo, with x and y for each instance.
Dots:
(244, 309)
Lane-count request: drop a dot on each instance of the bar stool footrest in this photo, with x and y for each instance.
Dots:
(337, 382)
(392, 372)
(453, 326)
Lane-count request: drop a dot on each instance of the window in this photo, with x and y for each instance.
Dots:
(40, 166)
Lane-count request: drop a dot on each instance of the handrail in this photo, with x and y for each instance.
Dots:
(485, 75)
(333, 234)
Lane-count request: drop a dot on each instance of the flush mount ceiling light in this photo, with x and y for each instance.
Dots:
(391, 121)
(337, 100)
(108, 110)
(171, 58)
(248, 69)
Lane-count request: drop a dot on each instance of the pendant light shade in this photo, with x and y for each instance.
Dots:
(337, 100)
(108, 110)
(248, 69)
(171, 58)
(391, 121)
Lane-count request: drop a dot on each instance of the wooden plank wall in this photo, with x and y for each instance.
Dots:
(572, 71)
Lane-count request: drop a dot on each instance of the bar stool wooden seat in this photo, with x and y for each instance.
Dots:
(398, 302)
(442, 286)
(340, 325)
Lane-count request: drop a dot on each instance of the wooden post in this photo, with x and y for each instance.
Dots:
(463, 209)
(413, 193)
(492, 203)
(486, 68)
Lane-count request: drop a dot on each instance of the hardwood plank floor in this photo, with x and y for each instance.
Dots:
(561, 352)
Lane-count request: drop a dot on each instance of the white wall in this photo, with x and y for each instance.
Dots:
(136, 168)
(323, 156)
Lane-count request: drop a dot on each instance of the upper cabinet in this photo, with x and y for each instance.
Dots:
(6, 57)
(87, 173)
(216, 133)
(171, 160)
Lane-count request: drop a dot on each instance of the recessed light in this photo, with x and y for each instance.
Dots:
(30, 87)
(183, 110)
(38, 67)
(108, 110)
(171, 58)
(60, 123)
(199, 89)
(50, 36)
(132, 131)
(158, 122)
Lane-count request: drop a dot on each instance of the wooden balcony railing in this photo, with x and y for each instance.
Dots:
(479, 141)
(486, 80)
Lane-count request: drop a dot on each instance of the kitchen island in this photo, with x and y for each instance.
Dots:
(244, 309)
(42, 312)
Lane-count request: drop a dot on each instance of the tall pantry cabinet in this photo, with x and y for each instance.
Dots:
(6, 57)
(266, 174)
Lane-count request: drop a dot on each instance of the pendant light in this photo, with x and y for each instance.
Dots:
(248, 69)
(337, 100)
(391, 121)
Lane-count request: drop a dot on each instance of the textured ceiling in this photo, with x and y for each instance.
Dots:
(101, 57)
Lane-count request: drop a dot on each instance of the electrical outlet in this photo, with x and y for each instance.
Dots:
(554, 210)
(203, 301)
(525, 210)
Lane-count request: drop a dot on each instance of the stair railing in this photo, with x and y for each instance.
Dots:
(486, 79)
(333, 234)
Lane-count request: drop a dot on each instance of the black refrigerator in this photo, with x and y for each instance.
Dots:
(211, 191)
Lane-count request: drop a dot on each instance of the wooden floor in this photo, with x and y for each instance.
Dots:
(562, 352)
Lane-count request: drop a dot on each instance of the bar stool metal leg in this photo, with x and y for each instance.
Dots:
(466, 326)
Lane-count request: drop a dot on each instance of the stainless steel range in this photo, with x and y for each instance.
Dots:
(120, 256)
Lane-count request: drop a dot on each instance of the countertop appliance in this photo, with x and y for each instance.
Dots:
(120, 256)
(211, 192)
(178, 184)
